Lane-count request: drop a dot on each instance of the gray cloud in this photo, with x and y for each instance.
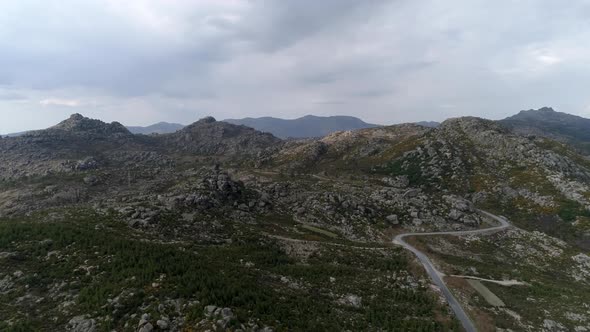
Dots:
(279, 24)
(387, 61)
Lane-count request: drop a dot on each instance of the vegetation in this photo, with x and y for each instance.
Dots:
(320, 231)
(98, 259)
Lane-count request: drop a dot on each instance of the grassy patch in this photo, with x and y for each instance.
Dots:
(526, 177)
(320, 231)
(570, 210)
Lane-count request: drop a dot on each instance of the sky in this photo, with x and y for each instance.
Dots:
(386, 61)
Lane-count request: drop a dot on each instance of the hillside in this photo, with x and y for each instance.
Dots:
(564, 127)
(221, 226)
(305, 127)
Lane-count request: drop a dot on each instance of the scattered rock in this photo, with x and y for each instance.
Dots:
(81, 324)
(162, 324)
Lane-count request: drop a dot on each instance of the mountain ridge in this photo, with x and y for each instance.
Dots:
(303, 127)
(161, 127)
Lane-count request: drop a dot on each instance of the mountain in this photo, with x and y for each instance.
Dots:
(78, 124)
(158, 128)
(211, 137)
(223, 227)
(305, 127)
(564, 127)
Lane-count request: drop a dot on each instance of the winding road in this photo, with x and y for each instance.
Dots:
(437, 275)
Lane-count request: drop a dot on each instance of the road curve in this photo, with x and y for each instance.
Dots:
(435, 275)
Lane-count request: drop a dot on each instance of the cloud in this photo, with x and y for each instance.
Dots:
(548, 59)
(275, 25)
(60, 102)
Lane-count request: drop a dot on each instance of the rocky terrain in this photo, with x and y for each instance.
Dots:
(221, 227)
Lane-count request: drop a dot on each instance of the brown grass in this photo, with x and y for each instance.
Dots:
(483, 321)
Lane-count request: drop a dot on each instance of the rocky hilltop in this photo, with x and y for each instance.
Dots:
(78, 124)
(63, 147)
(546, 122)
(210, 137)
(220, 226)
(70, 144)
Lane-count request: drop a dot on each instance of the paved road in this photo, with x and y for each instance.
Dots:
(436, 275)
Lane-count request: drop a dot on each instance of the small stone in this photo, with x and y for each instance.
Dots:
(162, 324)
(147, 328)
(392, 218)
(209, 310)
(90, 180)
(144, 319)
(354, 300)
(227, 314)
(81, 324)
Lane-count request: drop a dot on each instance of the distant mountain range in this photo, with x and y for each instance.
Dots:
(307, 126)
(158, 128)
(546, 122)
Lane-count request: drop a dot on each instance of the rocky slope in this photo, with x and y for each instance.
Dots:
(80, 143)
(476, 159)
(75, 143)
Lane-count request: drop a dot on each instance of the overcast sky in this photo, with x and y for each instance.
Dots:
(144, 61)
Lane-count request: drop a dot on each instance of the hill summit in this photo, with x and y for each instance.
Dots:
(546, 122)
(78, 123)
